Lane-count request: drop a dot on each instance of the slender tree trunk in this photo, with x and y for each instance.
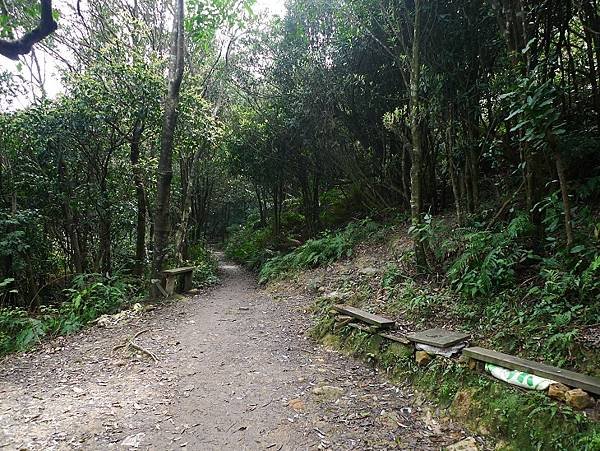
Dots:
(474, 169)
(534, 195)
(277, 207)
(453, 176)
(140, 194)
(105, 230)
(181, 236)
(406, 165)
(162, 225)
(593, 74)
(261, 208)
(204, 205)
(68, 218)
(564, 189)
(416, 170)
(315, 205)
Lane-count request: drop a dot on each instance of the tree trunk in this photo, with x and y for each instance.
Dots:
(140, 239)
(416, 170)
(261, 207)
(201, 204)
(181, 236)
(534, 195)
(105, 230)
(162, 225)
(564, 190)
(474, 170)
(277, 195)
(71, 233)
(453, 176)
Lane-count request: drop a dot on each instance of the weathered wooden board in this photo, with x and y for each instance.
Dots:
(397, 338)
(365, 317)
(156, 282)
(571, 378)
(360, 327)
(440, 338)
(177, 271)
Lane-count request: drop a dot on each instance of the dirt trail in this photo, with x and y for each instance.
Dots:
(235, 372)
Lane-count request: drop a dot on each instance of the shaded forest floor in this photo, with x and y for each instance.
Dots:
(235, 371)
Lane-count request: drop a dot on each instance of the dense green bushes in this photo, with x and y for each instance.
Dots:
(320, 251)
(205, 265)
(515, 299)
(249, 244)
(255, 247)
(487, 260)
(90, 296)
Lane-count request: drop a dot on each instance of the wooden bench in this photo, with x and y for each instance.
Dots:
(570, 378)
(365, 317)
(172, 275)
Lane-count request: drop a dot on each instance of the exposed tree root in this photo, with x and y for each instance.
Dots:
(131, 344)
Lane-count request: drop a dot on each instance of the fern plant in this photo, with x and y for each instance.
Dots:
(331, 246)
(488, 260)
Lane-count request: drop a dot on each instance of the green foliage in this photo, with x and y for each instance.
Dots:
(409, 298)
(537, 307)
(533, 105)
(489, 259)
(331, 246)
(423, 231)
(90, 296)
(340, 207)
(205, 265)
(207, 17)
(22, 244)
(18, 331)
(249, 244)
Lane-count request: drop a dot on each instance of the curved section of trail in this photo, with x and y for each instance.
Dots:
(235, 372)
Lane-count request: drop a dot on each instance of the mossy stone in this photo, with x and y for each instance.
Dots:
(331, 340)
(374, 345)
(400, 350)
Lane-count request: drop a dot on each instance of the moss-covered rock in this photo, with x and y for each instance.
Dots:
(400, 351)
(331, 341)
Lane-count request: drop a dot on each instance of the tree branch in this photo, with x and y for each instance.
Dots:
(14, 48)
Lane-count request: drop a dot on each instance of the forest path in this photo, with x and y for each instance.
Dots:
(230, 361)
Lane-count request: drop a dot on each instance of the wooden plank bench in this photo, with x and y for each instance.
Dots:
(172, 275)
(570, 378)
(365, 317)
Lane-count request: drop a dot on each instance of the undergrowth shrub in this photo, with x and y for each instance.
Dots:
(341, 206)
(249, 244)
(535, 306)
(90, 296)
(205, 265)
(331, 246)
(488, 259)
(18, 330)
